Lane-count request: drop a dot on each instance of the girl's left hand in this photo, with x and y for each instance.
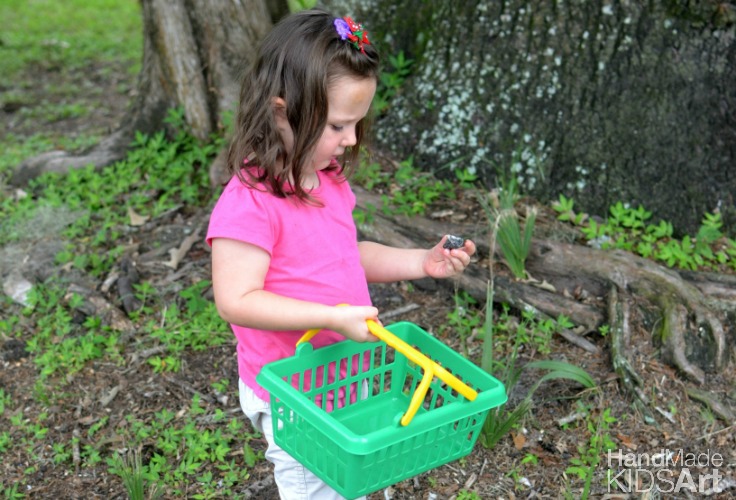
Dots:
(443, 263)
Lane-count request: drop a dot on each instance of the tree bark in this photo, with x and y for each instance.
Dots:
(601, 101)
(194, 52)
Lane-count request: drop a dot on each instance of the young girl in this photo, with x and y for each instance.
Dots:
(284, 245)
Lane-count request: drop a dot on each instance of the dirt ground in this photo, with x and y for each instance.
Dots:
(530, 462)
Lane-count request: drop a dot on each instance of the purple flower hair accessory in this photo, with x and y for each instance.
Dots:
(353, 32)
(342, 28)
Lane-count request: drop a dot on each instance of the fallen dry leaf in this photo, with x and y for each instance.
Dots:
(136, 219)
(519, 440)
(626, 441)
(177, 254)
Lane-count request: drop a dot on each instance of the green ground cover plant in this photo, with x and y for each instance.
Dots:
(590, 453)
(630, 229)
(158, 175)
(182, 446)
(506, 338)
(407, 190)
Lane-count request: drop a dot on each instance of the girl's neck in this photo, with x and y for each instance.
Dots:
(310, 181)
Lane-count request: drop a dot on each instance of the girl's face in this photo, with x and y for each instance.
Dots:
(349, 100)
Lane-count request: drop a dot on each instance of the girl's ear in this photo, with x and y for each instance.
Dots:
(279, 113)
(279, 107)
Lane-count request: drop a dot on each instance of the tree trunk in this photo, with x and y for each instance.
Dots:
(194, 52)
(601, 101)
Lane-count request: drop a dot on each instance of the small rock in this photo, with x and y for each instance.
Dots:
(17, 287)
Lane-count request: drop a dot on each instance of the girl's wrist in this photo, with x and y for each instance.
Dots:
(426, 263)
(332, 318)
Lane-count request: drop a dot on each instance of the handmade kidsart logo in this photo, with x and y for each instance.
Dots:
(667, 471)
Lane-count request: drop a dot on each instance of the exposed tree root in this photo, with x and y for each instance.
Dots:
(687, 322)
(111, 149)
(718, 408)
(675, 321)
(692, 348)
(631, 381)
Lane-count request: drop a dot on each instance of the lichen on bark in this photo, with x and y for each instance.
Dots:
(601, 101)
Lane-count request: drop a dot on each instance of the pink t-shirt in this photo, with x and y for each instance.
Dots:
(314, 256)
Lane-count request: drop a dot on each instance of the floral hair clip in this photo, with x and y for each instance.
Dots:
(353, 32)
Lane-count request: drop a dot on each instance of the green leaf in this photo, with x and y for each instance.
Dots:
(249, 455)
(562, 370)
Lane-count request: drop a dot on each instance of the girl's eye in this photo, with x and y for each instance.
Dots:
(337, 128)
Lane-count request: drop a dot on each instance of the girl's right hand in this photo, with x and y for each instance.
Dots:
(350, 321)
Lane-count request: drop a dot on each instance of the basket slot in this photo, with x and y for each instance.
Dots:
(382, 373)
(430, 367)
(439, 393)
(339, 383)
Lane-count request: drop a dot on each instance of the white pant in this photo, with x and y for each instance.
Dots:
(295, 481)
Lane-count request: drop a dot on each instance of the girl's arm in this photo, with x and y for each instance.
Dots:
(238, 274)
(385, 264)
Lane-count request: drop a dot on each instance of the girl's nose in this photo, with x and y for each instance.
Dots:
(349, 138)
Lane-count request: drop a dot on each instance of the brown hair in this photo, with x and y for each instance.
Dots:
(297, 61)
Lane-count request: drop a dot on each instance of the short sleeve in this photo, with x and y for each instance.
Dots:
(241, 214)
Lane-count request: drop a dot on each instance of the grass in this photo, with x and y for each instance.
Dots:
(57, 61)
(46, 33)
(513, 241)
(507, 339)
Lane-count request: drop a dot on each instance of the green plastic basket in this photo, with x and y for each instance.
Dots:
(347, 428)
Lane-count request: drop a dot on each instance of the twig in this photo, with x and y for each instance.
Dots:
(138, 357)
(399, 311)
(208, 419)
(711, 434)
(471, 481)
(579, 341)
(665, 414)
(177, 254)
(723, 485)
(574, 417)
(107, 399)
(76, 458)
(188, 387)
(483, 467)
(125, 284)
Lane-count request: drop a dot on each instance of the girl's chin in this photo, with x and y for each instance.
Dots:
(323, 164)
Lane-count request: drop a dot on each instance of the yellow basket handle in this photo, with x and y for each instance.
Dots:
(431, 368)
(307, 336)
